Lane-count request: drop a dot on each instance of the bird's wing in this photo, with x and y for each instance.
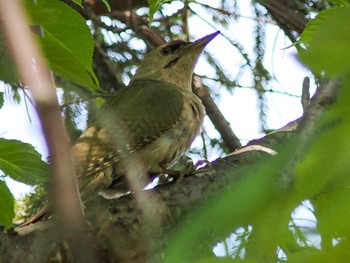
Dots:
(132, 118)
(138, 114)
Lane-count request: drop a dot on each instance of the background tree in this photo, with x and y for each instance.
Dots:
(247, 205)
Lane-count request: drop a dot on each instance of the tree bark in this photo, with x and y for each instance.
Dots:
(117, 227)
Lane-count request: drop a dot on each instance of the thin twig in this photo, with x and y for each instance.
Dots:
(305, 94)
(253, 88)
(262, 19)
(235, 44)
(205, 150)
(25, 103)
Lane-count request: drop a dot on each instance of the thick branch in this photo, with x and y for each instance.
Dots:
(107, 76)
(288, 18)
(118, 226)
(100, 8)
(140, 26)
(230, 139)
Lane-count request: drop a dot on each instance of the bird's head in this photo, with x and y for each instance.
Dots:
(173, 62)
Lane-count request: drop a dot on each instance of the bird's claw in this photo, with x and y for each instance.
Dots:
(200, 168)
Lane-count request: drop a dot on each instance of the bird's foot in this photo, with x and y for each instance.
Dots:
(203, 167)
(200, 168)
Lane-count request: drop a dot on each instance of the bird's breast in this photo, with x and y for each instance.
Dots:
(172, 144)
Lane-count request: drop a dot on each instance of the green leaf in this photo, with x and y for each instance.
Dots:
(154, 5)
(324, 172)
(328, 41)
(22, 162)
(340, 2)
(66, 40)
(7, 203)
(328, 158)
(1, 99)
(78, 2)
(105, 2)
(8, 72)
(239, 202)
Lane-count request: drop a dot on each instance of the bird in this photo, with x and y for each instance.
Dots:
(153, 120)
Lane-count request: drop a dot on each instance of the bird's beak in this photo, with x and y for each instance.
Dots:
(194, 49)
(205, 40)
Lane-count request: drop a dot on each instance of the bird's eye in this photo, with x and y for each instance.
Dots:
(166, 51)
(172, 47)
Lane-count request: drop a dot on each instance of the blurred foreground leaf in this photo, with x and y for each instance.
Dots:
(328, 41)
(313, 165)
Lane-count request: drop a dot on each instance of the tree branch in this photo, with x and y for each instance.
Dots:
(100, 8)
(230, 139)
(288, 18)
(122, 237)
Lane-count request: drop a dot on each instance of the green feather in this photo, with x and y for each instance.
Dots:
(142, 111)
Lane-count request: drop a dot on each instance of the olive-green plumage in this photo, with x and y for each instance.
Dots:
(155, 118)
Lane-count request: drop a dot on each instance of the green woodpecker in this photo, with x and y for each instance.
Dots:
(155, 118)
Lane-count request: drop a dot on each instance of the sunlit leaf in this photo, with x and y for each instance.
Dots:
(66, 40)
(22, 162)
(154, 5)
(107, 5)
